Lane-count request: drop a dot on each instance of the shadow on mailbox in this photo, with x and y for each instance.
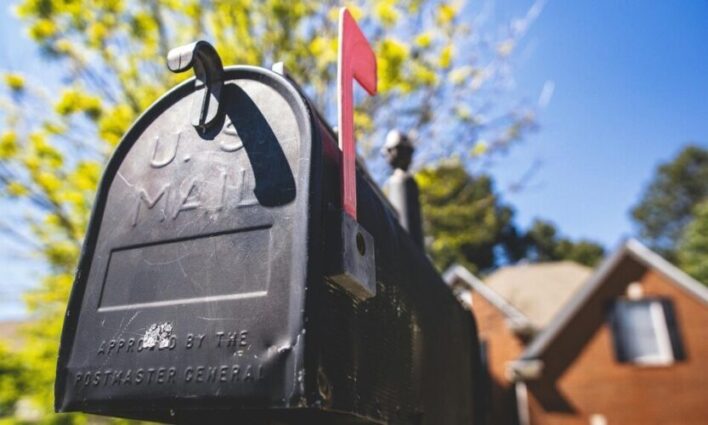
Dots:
(203, 292)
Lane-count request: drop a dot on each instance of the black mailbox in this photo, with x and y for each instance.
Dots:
(204, 294)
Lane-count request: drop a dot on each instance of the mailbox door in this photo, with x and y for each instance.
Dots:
(190, 288)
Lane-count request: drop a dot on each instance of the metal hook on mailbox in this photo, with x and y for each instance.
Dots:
(209, 72)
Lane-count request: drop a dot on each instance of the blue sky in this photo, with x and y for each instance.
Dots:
(630, 83)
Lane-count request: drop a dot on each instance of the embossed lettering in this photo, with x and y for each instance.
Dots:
(111, 346)
(220, 205)
(127, 379)
(200, 374)
(233, 147)
(211, 373)
(190, 200)
(151, 202)
(223, 370)
(151, 372)
(249, 374)
(155, 163)
(232, 339)
(222, 374)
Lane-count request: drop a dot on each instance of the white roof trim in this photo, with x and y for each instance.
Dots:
(654, 260)
(640, 253)
(517, 318)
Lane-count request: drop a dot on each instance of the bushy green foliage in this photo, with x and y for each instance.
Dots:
(435, 72)
(467, 223)
(13, 380)
(668, 203)
(463, 217)
(692, 252)
(543, 243)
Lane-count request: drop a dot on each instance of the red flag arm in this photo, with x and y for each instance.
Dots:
(356, 62)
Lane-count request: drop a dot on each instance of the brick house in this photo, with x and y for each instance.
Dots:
(626, 345)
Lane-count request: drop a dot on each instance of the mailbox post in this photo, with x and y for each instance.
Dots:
(205, 291)
(401, 187)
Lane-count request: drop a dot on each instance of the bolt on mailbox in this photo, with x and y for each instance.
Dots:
(226, 276)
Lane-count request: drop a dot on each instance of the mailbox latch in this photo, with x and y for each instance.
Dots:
(209, 73)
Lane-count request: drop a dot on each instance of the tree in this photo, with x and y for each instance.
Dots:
(436, 74)
(544, 244)
(13, 381)
(667, 205)
(692, 253)
(463, 217)
(467, 223)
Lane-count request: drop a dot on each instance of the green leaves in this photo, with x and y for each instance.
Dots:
(14, 378)
(463, 217)
(692, 249)
(468, 223)
(15, 82)
(543, 243)
(72, 101)
(668, 203)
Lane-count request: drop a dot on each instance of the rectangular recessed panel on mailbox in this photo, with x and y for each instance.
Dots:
(206, 268)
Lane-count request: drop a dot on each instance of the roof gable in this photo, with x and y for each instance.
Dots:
(539, 290)
(518, 319)
(632, 249)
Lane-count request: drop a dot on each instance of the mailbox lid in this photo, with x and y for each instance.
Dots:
(190, 288)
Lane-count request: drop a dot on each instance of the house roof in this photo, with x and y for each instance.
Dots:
(632, 249)
(540, 290)
(458, 272)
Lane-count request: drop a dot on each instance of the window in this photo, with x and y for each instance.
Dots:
(645, 332)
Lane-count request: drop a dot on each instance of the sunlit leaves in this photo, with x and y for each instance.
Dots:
(692, 249)
(391, 56)
(424, 40)
(480, 148)
(14, 380)
(14, 81)
(451, 200)
(386, 12)
(446, 13)
(42, 29)
(445, 58)
(114, 123)
(16, 189)
(72, 101)
(8, 145)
